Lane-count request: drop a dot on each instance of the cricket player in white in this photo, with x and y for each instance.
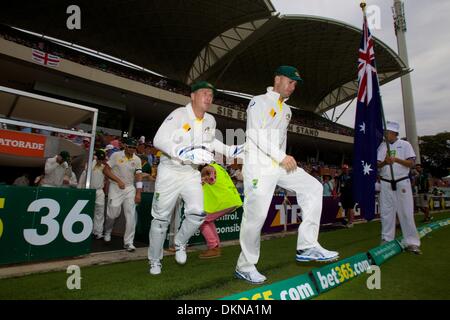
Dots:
(399, 201)
(267, 165)
(123, 168)
(56, 169)
(186, 139)
(97, 183)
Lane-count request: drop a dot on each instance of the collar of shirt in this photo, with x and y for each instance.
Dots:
(124, 156)
(274, 95)
(191, 113)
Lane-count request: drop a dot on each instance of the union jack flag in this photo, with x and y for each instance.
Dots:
(366, 67)
(45, 58)
(368, 127)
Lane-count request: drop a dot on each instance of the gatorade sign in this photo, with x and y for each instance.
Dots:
(22, 144)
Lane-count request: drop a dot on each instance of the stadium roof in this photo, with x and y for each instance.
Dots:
(236, 44)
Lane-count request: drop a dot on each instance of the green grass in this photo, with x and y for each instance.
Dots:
(404, 277)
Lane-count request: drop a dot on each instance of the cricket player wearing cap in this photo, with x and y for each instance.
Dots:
(396, 193)
(97, 183)
(56, 169)
(267, 165)
(186, 139)
(124, 169)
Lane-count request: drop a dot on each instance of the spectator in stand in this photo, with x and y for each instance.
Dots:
(86, 143)
(148, 151)
(23, 180)
(328, 186)
(423, 189)
(345, 192)
(140, 150)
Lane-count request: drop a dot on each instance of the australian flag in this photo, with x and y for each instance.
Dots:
(368, 127)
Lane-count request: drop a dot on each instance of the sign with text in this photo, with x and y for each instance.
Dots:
(41, 223)
(296, 288)
(22, 144)
(333, 275)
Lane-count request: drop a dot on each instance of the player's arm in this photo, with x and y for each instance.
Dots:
(165, 138)
(107, 171)
(409, 163)
(138, 180)
(51, 164)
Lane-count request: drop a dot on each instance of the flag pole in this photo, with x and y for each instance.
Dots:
(388, 148)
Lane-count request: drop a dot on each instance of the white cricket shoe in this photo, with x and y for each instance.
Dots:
(129, 247)
(180, 253)
(316, 253)
(252, 276)
(107, 238)
(155, 267)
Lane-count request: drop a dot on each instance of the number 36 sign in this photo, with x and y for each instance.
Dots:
(44, 223)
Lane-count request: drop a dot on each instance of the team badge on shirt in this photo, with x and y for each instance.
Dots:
(186, 127)
(273, 113)
(255, 183)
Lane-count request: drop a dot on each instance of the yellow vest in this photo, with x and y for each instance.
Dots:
(222, 194)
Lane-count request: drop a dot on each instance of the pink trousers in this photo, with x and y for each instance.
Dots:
(209, 231)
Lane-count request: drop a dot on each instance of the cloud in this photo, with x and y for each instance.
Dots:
(428, 48)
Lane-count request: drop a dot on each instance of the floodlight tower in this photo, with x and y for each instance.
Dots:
(408, 100)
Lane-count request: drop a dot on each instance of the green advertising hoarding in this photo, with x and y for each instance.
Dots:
(384, 252)
(296, 288)
(333, 275)
(44, 223)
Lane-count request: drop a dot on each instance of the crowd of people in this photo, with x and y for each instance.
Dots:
(300, 117)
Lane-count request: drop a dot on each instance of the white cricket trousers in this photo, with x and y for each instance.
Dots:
(172, 182)
(116, 199)
(99, 213)
(398, 202)
(258, 196)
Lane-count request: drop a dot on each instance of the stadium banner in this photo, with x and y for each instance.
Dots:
(286, 211)
(333, 275)
(41, 223)
(297, 288)
(228, 226)
(384, 252)
(423, 231)
(22, 144)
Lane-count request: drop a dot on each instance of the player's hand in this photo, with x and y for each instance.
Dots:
(137, 198)
(289, 163)
(389, 160)
(121, 185)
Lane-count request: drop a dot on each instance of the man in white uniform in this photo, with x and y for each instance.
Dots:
(123, 168)
(56, 169)
(267, 165)
(396, 193)
(97, 183)
(186, 139)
